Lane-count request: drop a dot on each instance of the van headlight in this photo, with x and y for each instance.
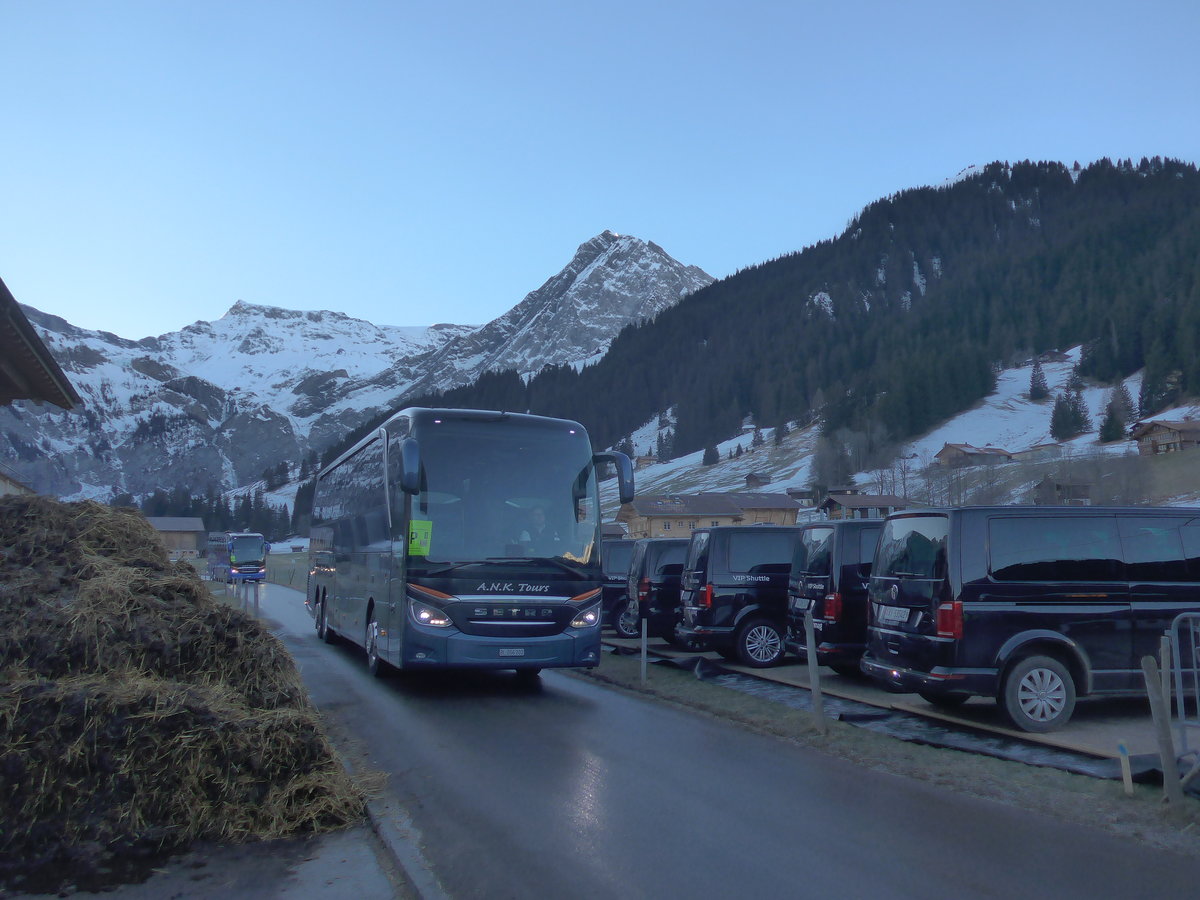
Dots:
(587, 618)
(424, 614)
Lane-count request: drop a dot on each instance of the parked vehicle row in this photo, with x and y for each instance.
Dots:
(1031, 606)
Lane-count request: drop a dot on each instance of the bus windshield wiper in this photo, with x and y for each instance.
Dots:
(448, 568)
(539, 560)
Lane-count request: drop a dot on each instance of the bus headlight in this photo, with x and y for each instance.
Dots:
(586, 618)
(424, 614)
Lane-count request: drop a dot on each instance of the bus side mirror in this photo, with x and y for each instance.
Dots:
(410, 466)
(624, 472)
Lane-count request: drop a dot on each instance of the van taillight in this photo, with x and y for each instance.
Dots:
(950, 619)
(706, 597)
(643, 589)
(833, 607)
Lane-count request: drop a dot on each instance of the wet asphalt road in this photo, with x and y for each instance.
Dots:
(570, 789)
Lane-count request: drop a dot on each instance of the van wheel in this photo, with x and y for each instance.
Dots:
(759, 644)
(625, 621)
(944, 701)
(1038, 694)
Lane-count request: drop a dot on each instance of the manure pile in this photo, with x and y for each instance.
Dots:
(137, 713)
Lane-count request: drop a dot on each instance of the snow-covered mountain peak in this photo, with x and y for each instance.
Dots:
(217, 401)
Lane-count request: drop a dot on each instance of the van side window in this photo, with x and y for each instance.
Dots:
(1054, 548)
(867, 539)
(1154, 550)
(753, 550)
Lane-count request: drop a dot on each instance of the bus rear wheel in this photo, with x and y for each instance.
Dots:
(324, 632)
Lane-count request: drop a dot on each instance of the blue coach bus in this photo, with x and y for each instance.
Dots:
(463, 538)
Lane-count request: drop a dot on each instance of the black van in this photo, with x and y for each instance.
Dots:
(1034, 606)
(614, 561)
(830, 573)
(654, 578)
(735, 591)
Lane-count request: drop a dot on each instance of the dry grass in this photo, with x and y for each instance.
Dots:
(138, 714)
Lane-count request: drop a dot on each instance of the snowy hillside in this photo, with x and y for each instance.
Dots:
(1007, 419)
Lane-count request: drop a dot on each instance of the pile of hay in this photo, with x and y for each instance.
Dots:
(137, 713)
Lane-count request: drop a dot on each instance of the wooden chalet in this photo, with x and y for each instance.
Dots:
(861, 506)
(1052, 492)
(183, 536)
(959, 455)
(678, 515)
(1163, 436)
(27, 370)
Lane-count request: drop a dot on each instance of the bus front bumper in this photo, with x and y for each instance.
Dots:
(578, 649)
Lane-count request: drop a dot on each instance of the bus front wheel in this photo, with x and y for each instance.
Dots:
(375, 665)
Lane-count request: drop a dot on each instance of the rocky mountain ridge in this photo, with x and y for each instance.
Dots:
(215, 403)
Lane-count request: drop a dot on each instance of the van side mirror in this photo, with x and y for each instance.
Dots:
(624, 469)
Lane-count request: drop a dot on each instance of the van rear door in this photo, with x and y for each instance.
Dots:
(909, 569)
(1162, 560)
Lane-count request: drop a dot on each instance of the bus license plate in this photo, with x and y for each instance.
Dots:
(893, 615)
(512, 651)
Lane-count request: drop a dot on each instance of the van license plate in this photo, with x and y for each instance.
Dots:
(893, 615)
(512, 651)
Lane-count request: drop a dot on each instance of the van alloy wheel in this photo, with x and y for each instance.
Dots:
(626, 620)
(1039, 694)
(759, 644)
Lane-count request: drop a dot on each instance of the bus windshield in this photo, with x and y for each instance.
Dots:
(496, 491)
(247, 548)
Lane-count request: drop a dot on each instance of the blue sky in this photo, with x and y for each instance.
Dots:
(411, 163)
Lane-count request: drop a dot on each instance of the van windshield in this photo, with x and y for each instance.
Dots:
(913, 547)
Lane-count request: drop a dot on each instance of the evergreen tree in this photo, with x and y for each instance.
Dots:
(666, 446)
(1070, 417)
(1123, 403)
(711, 456)
(757, 440)
(1112, 426)
(1038, 389)
(781, 431)
(1079, 411)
